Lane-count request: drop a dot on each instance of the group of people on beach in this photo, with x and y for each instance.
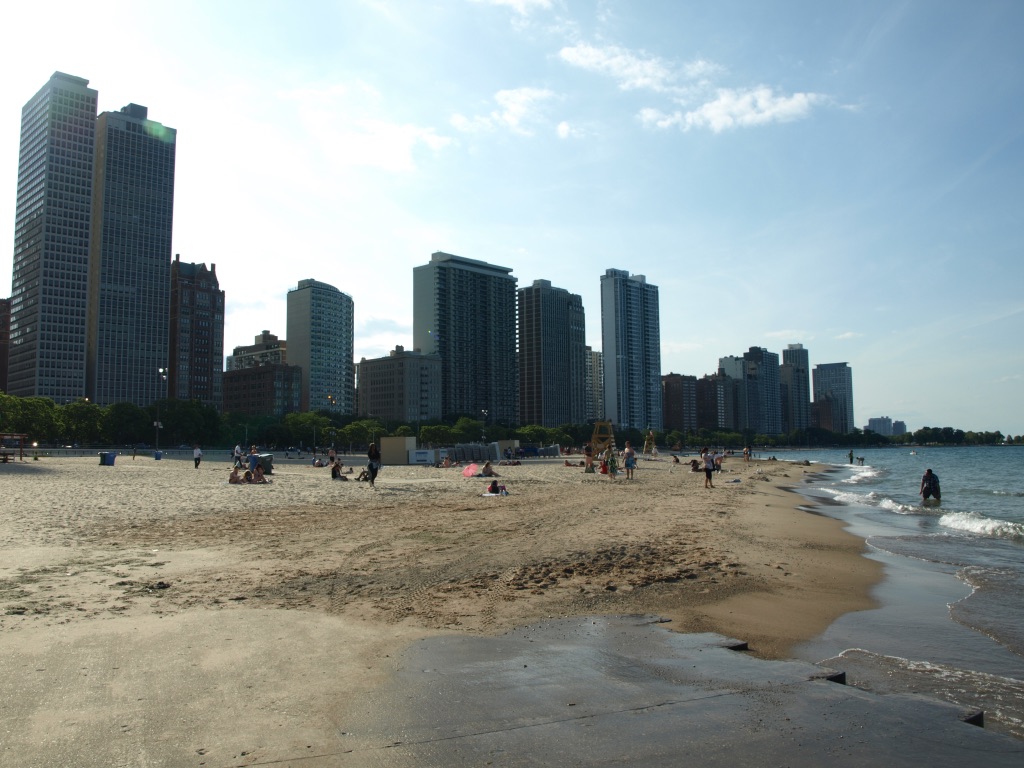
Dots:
(250, 477)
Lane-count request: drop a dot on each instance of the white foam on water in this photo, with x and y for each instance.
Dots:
(972, 522)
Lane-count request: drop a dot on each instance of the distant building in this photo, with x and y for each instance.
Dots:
(5, 340)
(758, 404)
(899, 428)
(403, 388)
(679, 402)
(464, 310)
(320, 341)
(881, 425)
(795, 389)
(552, 356)
(716, 402)
(631, 345)
(834, 382)
(595, 385)
(130, 258)
(267, 389)
(51, 241)
(266, 350)
(196, 346)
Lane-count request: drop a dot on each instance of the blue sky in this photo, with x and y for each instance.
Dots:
(848, 176)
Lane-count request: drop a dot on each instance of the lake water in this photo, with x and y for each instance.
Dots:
(951, 617)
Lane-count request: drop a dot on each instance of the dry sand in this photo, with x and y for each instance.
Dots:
(152, 614)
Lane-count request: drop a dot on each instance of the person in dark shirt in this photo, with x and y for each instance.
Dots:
(930, 486)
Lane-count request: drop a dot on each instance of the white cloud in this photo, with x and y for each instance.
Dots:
(522, 7)
(564, 130)
(849, 335)
(736, 108)
(518, 108)
(632, 71)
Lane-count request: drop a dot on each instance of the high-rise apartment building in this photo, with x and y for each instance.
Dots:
(758, 406)
(404, 387)
(631, 345)
(196, 334)
(320, 342)
(552, 356)
(834, 382)
(465, 311)
(716, 400)
(880, 425)
(679, 402)
(5, 340)
(595, 385)
(130, 258)
(795, 388)
(51, 241)
(269, 389)
(267, 349)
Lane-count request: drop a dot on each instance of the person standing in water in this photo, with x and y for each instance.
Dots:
(930, 486)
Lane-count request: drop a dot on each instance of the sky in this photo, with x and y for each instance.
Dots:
(846, 176)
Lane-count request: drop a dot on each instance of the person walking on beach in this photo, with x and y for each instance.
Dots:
(197, 455)
(238, 455)
(373, 463)
(930, 486)
(629, 460)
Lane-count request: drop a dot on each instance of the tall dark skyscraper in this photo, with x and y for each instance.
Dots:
(51, 241)
(795, 388)
(465, 311)
(196, 346)
(833, 385)
(631, 345)
(552, 356)
(130, 258)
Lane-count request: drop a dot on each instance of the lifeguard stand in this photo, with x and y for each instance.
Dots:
(650, 449)
(603, 437)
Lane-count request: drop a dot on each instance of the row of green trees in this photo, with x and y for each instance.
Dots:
(187, 422)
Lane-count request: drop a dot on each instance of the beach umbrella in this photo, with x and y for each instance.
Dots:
(469, 471)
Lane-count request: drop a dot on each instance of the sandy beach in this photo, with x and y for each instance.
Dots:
(153, 614)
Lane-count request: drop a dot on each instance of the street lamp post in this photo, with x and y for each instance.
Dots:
(162, 374)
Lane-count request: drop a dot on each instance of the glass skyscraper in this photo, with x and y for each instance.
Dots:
(130, 258)
(51, 241)
(320, 342)
(552, 356)
(465, 311)
(833, 382)
(631, 345)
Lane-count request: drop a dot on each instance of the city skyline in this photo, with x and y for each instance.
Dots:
(846, 178)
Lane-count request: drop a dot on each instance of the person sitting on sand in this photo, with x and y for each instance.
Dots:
(364, 476)
(258, 476)
(247, 477)
(234, 478)
(493, 487)
(488, 471)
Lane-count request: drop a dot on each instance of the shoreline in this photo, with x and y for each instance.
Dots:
(328, 581)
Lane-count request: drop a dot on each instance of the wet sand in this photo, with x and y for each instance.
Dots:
(152, 614)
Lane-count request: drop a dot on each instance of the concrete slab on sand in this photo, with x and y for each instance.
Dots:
(625, 690)
(244, 687)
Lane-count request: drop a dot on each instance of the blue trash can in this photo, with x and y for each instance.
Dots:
(158, 455)
(109, 458)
